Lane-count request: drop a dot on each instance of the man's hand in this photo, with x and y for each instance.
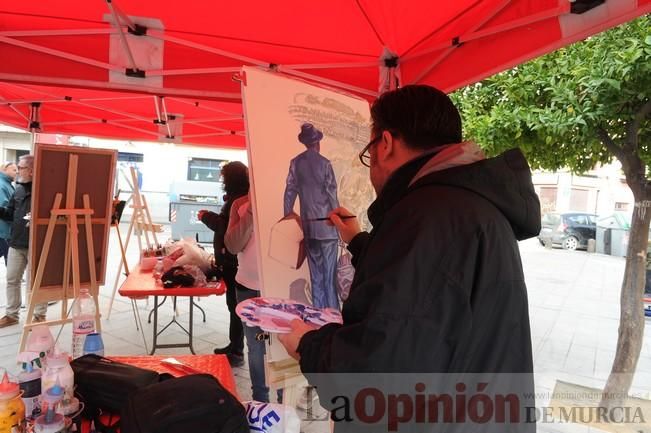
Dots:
(201, 213)
(291, 339)
(348, 228)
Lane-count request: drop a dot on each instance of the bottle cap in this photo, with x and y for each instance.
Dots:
(27, 358)
(93, 343)
(8, 390)
(53, 395)
(55, 391)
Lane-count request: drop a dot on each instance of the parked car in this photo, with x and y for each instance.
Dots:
(569, 230)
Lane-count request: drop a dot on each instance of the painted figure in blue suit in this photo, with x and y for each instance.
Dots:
(312, 179)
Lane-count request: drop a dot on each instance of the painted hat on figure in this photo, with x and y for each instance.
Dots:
(309, 134)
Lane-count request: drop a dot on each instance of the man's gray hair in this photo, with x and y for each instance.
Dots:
(28, 160)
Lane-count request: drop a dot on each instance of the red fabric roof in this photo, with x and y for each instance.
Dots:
(129, 116)
(192, 49)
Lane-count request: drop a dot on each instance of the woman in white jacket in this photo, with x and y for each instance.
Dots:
(240, 239)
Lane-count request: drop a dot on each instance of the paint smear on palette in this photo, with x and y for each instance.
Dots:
(275, 315)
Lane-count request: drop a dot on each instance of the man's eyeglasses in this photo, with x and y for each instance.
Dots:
(365, 154)
(20, 167)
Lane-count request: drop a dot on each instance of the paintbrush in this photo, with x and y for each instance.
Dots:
(343, 217)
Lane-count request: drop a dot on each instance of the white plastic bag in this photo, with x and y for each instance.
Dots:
(193, 254)
(272, 418)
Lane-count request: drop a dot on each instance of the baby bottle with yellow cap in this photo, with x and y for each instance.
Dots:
(12, 408)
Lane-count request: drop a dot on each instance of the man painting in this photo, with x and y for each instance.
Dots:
(439, 291)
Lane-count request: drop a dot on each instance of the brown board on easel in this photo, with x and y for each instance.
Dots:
(95, 177)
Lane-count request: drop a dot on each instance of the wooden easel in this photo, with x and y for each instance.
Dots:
(65, 215)
(142, 224)
(286, 375)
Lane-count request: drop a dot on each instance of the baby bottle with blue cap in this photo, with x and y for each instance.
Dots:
(51, 421)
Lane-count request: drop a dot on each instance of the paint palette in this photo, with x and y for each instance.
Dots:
(274, 315)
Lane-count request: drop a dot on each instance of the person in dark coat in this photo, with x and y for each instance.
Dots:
(312, 179)
(17, 212)
(235, 176)
(439, 285)
(7, 177)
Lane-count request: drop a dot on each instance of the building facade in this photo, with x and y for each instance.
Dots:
(601, 191)
(159, 166)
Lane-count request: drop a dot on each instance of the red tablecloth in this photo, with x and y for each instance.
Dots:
(217, 365)
(142, 284)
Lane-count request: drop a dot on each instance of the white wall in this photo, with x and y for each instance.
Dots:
(11, 141)
(163, 164)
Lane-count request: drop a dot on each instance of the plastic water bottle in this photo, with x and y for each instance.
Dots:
(83, 321)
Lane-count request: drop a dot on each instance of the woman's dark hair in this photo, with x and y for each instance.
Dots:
(423, 116)
(236, 179)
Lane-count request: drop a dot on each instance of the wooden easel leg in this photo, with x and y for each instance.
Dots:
(66, 282)
(122, 250)
(150, 223)
(28, 321)
(90, 248)
(144, 230)
(73, 229)
(38, 276)
(115, 289)
(122, 263)
(139, 234)
(138, 209)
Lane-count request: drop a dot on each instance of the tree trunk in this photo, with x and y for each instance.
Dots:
(631, 322)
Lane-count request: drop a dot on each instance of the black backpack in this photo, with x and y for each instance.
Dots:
(197, 403)
(104, 385)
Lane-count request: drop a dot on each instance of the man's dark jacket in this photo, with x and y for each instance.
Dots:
(439, 286)
(19, 206)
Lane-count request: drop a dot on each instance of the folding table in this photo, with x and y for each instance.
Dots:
(139, 285)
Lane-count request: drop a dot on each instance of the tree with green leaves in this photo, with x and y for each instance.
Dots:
(575, 108)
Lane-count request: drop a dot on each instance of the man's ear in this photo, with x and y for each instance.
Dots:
(388, 144)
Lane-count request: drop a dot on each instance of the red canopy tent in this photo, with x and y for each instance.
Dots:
(89, 63)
